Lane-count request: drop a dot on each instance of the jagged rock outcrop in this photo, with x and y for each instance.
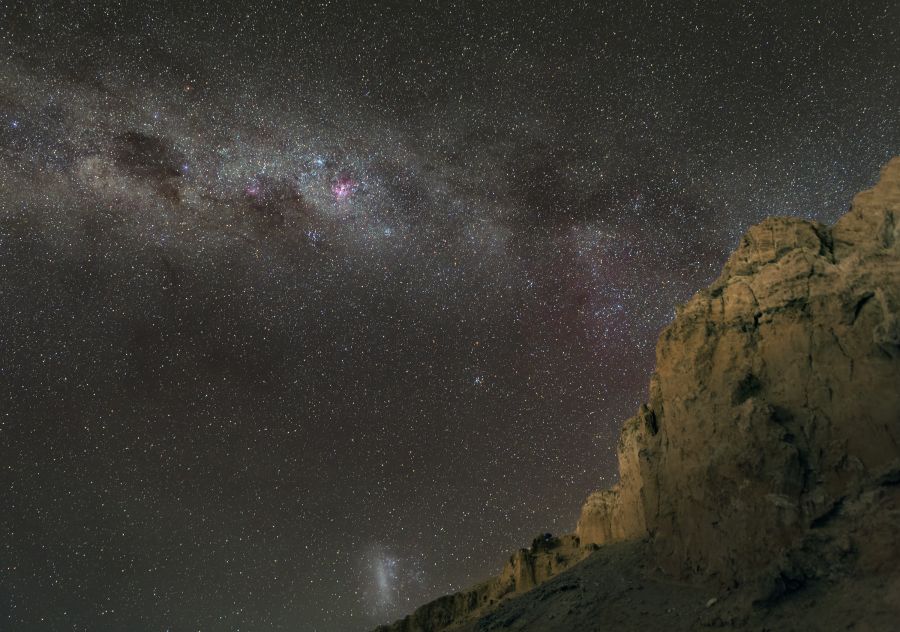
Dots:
(547, 557)
(769, 452)
(776, 390)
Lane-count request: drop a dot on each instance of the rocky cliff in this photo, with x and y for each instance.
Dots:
(776, 390)
(773, 421)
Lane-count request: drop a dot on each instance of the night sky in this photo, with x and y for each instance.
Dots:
(312, 312)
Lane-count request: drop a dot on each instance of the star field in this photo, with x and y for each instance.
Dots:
(313, 312)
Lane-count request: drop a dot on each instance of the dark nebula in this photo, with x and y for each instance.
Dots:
(312, 312)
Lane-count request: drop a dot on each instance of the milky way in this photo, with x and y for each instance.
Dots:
(313, 312)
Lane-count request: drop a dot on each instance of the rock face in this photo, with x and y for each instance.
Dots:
(770, 448)
(777, 389)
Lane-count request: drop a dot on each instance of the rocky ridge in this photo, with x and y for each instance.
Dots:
(768, 456)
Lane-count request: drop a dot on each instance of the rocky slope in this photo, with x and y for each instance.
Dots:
(547, 557)
(766, 461)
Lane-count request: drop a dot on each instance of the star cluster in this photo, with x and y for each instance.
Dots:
(312, 312)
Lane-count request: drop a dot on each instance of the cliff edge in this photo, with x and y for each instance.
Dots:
(768, 456)
(776, 390)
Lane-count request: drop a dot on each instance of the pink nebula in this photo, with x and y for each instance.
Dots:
(343, 186)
